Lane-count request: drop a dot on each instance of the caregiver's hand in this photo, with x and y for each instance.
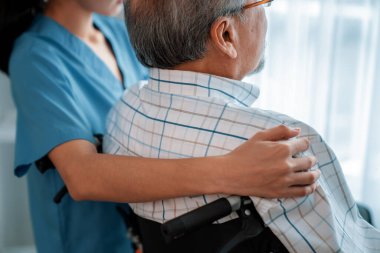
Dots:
(265, 166)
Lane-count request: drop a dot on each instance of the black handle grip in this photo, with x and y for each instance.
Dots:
(58, 197)
(195, 219)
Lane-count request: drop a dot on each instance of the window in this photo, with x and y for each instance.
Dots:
(323, 62)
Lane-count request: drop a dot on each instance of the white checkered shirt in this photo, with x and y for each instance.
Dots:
(178, 114)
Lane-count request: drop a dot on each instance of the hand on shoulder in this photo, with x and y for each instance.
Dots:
(266, 166)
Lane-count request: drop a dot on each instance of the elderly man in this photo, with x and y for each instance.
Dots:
(195, 105)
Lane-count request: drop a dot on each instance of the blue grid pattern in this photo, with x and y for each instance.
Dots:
(179, 114)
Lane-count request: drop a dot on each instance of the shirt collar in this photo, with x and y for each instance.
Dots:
(202, 85)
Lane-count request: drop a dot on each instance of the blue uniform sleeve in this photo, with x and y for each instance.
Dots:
(48, 111)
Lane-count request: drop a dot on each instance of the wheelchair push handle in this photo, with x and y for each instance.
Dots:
(197, 218)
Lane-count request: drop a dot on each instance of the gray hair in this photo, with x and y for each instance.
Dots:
(166, 33)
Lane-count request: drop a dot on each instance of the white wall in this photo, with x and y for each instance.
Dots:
(15, 226)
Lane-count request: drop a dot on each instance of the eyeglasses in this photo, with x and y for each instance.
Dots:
(265, 3)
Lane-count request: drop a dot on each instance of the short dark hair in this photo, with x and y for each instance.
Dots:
(166, 33)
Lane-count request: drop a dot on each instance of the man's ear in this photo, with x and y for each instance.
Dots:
(224, 36)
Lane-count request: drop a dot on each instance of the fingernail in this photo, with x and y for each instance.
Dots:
(297, 129)
(319, 174)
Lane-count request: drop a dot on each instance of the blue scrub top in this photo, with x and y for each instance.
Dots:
(63, 91)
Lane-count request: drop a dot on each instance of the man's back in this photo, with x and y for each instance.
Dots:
(181, 114)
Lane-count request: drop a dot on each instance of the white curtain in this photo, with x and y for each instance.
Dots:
(323, 67)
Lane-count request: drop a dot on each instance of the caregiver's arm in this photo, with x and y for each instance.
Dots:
(259, 167)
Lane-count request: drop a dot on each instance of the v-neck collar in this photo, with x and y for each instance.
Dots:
(80, 48)
(115, 50)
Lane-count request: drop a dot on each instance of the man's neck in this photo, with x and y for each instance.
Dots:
(206, 65)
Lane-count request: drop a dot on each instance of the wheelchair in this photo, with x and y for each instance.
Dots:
(252, 225)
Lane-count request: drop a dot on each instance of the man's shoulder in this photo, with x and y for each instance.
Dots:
(236, 119)
(265, 119)
(268, 118)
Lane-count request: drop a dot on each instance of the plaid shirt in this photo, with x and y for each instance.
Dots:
(178, 114)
